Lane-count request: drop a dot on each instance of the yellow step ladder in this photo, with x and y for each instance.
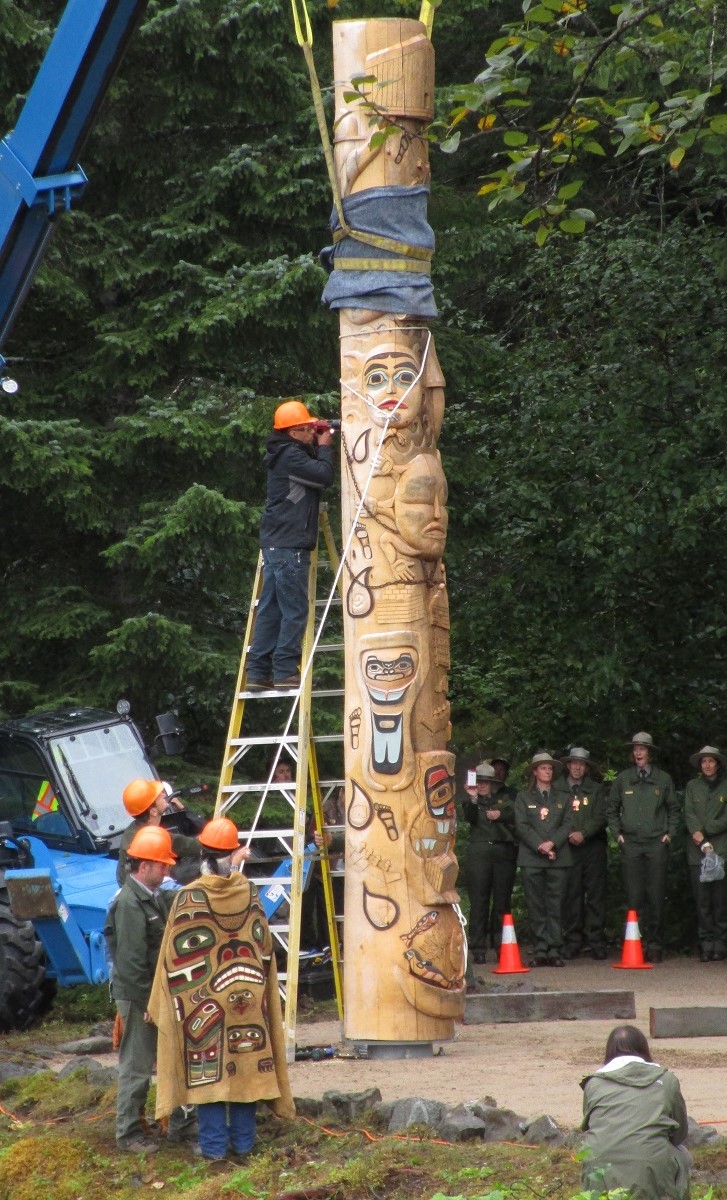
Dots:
(298, 741)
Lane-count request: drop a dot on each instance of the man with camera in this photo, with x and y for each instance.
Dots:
(491, 858)
(299, 462)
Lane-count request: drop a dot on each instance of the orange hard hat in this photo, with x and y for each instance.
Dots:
(153, 843)
(292, 412)
(219, 834)
(140, 794)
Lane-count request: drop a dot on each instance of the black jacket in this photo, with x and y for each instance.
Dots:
(296, 475)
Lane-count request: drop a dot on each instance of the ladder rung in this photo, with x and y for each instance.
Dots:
(273, 740)
(327, 737)
(321, 692)
(334, 602)
(330, 646)
(234, 789)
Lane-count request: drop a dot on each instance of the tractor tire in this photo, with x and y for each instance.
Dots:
(26, 993)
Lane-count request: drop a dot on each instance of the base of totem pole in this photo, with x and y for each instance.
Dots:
(399, 1049)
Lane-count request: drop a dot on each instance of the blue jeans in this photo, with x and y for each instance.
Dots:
(281, 616)
(223, 1125)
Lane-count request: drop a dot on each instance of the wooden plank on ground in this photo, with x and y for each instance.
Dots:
(506, 1007)
(687, 1022)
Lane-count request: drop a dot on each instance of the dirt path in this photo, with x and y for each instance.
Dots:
(536, 1068)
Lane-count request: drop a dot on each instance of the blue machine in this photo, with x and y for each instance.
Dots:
(39, 177)
(62, 775)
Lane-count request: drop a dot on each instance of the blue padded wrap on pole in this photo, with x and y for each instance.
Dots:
(394, 212)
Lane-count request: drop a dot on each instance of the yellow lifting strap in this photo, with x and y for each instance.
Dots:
(378, 241)
(426, 14)
(382, 264)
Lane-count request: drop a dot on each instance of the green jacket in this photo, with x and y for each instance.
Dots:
(635, 1118)
(641, 809)
(533, 828)
(134, 930)
(183, 847)
(483, 832)
(589, 807)
(705, 811)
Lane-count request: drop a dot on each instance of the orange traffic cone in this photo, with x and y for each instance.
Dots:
(509, 963)
(632, 956)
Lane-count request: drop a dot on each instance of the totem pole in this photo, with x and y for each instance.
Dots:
(403, 940)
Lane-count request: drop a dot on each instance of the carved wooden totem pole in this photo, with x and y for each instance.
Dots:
(403, 938)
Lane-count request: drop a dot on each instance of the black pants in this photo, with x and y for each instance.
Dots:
(490, 876)
(544, 887)
(711, 902)
(584, 902)
(644, 864)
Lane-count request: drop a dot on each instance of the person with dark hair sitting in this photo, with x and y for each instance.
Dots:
(636, 1120)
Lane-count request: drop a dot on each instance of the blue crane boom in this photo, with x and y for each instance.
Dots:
(39, 177)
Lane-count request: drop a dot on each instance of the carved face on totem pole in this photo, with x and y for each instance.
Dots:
(391, 386)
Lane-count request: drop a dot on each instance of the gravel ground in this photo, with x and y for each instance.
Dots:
(536, 1068)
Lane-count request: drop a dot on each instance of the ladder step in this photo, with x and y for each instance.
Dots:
(334, 602)
(327, 737)
(329, 646)
(274, 694)
(274, 739)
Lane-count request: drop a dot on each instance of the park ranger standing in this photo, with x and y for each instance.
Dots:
(542, 824)
(491, 858)
(705, 813)
(643, 816)
(584, 903)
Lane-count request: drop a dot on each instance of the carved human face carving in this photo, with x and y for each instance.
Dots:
(419, 507)
(389, 384)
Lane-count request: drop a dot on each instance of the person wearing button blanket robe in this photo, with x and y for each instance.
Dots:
(216, 1003)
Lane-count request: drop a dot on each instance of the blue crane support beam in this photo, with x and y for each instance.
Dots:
(39, 178)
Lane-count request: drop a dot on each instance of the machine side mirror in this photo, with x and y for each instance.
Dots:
(171, 734)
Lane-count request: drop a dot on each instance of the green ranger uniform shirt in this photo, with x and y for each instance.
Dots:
(484, 832)
(537, 821)
(640, 809)
(134, 931)
(588, 804)
(705, 811)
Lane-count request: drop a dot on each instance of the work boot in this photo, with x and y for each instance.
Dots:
(260, 685)
(291, 684)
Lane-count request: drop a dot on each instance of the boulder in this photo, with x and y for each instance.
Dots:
(349, 1106)
(460, 1125)
(94, 1072)
(416, 1111)
(701, 1135)
(90, 1045)
(543, 1129)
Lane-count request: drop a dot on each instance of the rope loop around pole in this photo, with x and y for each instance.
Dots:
(305, 41)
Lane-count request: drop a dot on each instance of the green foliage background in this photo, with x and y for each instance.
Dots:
(585, 433)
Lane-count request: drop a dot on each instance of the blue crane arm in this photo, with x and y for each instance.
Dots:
(39, 178)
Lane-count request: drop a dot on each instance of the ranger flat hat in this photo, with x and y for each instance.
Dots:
(500, 758)
(544, 757)
(578, 754)
(711, 751)
(643, 739)
(485, 773)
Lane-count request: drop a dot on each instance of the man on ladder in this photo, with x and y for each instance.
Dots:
(299, 463)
